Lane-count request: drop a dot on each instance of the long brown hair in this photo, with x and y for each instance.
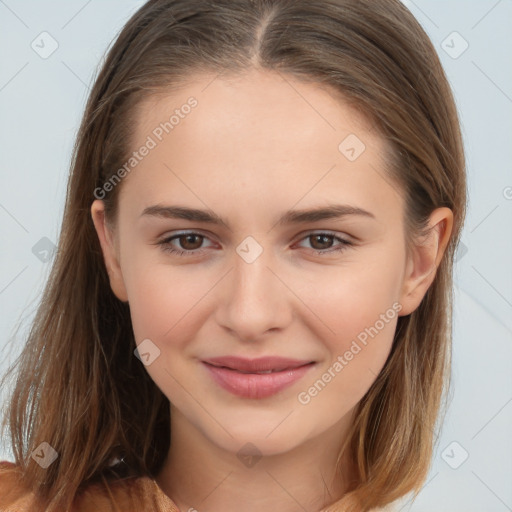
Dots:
(79, 386)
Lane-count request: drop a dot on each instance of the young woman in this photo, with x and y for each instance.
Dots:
(250, 307)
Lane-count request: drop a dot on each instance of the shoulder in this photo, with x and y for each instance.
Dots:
(14, 496)
(134, 493)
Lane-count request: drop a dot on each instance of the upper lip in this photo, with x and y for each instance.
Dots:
(257, 365)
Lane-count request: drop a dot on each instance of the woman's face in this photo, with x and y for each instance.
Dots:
(273, 278)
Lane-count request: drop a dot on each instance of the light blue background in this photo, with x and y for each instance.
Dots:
(41, 103)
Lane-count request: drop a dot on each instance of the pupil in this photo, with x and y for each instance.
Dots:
(325, 238)
(189, 239)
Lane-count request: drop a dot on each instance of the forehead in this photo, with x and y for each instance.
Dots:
(264, 133)
(258, 101)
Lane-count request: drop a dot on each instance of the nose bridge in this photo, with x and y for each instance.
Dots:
(255, 299)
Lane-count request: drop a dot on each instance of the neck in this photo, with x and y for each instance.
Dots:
(200, 475)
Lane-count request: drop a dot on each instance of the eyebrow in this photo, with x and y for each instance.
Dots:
(332, 211)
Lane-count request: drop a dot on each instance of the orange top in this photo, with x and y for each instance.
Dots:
(136, 493)
(131, 494)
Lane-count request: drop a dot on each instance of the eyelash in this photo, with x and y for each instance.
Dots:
(166, 247)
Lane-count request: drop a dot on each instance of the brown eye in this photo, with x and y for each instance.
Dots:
(190, 242)
(326, 243)
(321, 241)
(184, 244)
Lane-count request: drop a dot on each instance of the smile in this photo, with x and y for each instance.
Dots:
(256, 384)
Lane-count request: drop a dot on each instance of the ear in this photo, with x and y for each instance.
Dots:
(424, 259)
(108, 247)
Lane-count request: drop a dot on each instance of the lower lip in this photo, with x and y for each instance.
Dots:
(253, 385)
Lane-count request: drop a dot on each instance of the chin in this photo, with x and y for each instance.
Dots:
(258, 442)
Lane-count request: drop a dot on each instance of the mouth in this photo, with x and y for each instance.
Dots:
(256, 378)
(262, 365)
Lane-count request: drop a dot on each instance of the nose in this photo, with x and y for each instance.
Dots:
(254, 299)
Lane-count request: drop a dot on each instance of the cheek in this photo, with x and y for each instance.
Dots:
(344, 380)
(164, 302)
(166, 308)
(353, 296)
(362, 322)
(359, 310)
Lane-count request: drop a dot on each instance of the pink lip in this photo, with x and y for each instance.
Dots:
(227, 372)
